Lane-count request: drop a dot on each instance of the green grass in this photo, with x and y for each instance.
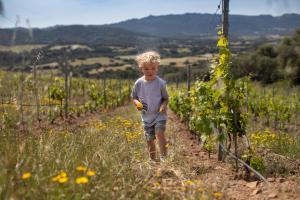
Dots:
(112, 146)
(280, 138)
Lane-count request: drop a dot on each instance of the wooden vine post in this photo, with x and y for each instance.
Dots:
(65, 68)
(188, 79)
(104, 93)
(36, 94)
(225, 27)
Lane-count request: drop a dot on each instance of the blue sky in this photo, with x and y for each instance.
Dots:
(44, 13)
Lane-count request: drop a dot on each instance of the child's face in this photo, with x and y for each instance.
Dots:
(150, 70)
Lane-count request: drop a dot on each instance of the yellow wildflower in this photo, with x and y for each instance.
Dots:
(63, 179)
(91, 173)
(82, 180)
(63, 174)
(156, 184)
(81, 168)
(26, 175)
(200, 189)
(218, 194)
(55, 178)
(188, 182)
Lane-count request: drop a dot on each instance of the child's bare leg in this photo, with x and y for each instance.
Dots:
(151, 149)
(162, 142)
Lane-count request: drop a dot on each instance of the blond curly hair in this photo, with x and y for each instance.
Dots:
(148, 57)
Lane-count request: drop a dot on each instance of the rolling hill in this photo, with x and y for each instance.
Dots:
(152, 28)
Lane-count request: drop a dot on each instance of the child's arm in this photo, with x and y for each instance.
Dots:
(165, 97)
(164, 105)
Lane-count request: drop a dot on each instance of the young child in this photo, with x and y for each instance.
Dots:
(150, 96)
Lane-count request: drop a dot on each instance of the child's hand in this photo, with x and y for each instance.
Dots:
(139, 105)
(163, 108)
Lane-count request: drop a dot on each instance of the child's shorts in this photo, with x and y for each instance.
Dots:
(150, 130)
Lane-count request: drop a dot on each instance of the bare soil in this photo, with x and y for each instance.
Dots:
(222, 176)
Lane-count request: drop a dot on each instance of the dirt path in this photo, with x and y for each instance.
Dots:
(221, 176)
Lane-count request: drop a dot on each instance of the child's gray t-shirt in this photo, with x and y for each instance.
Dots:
(151, 93)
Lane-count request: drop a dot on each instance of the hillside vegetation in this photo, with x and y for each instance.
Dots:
(270, 63)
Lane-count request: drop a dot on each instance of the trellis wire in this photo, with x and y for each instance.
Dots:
(241, 161)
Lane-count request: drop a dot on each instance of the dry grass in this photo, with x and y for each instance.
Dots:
(90, 61)
(51, 65)
(20, 48)
(73, 47)
(180, 61)
(184, 50)
(111, 146)
(121, 49)
(102, 69)
(128, 57)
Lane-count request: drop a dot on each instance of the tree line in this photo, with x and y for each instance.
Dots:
(271, 63)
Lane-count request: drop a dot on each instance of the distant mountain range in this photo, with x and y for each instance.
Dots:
(151, 28)
(205, 25)
(91, 34)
